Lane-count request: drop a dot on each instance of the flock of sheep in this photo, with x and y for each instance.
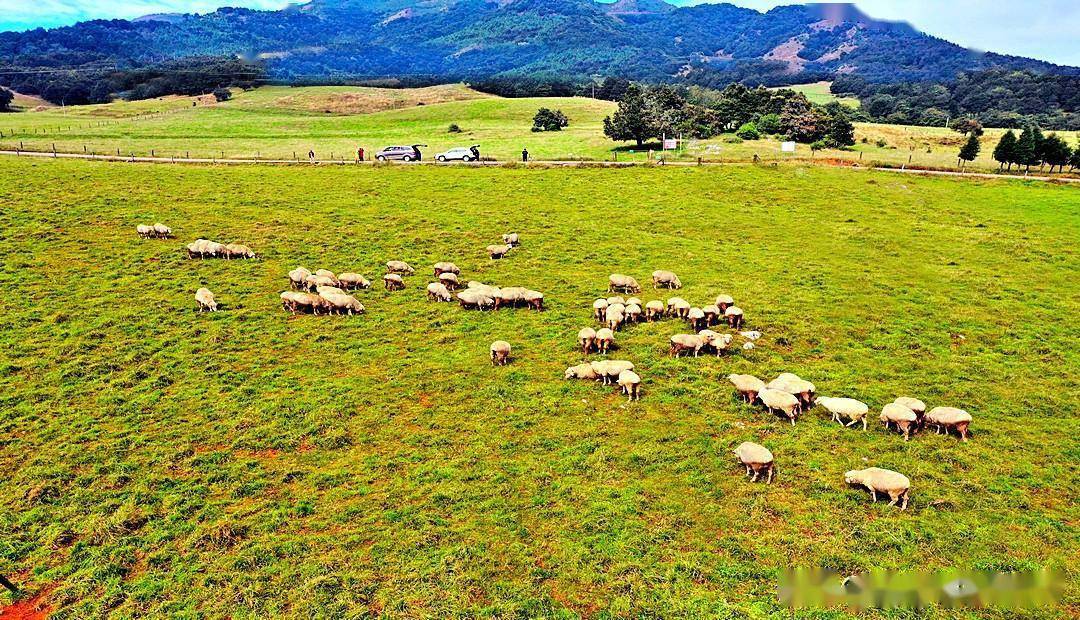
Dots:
(788, 395)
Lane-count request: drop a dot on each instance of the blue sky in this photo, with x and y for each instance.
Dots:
(1044, 29)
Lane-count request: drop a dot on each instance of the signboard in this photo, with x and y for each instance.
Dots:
(670, 144)
(787, 147)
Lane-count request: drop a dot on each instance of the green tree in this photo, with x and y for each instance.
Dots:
(748, 131)
(549, 120)
(1005, 151)
(631, 120)
(967, 126)
(970, 149)
(1074, 160)
(769, 124)
(841, 131)
(1027, 147)
(802, 122)
(1056, 152)
(222, 94)
(6, 97)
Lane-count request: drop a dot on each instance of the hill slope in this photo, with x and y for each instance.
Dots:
(443, 39)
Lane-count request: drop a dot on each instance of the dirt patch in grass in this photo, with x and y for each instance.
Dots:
(36, 607)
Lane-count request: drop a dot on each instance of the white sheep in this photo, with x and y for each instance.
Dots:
(616, 300)
(449, 280)
(615, 319)
(145, 231)
(654, 310)
(353, 281)
(437, 291)
(393, 282)
(724, 302)
(718, 342)
(600, 309)
(757, 460)
(678, 307)
(473, 298)
(298, 277)
(696, 317)
(535, 300)
(497, 251)
(511, 239)
(712, 314)
(633, 313)
(903, 418)
(624, 284)
(666, 279)
(235, 250)
(916, 405)
(399, 266)
(500, 353)
(734, 316)
(586, 339)
(162, 231)
(748, 386)
(444, 267)
(949, 418)
(609, 370)
(633, 301)
(775, 400)
(630, 383)
(206, 300)
(751, 335)
(793, 384)
(877, 480)
(582, 371)
(681, 343)
(845, 409)
(605, 338)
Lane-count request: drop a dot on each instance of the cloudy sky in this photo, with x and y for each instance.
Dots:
(1044, 29)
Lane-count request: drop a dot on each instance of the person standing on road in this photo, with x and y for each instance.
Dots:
(360, 154)
(525, 156)
(311, 156)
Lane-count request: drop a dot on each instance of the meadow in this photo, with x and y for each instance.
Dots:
(159, 462)
(284, 123)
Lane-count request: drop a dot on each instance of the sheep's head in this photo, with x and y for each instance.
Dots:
(571, 373)
(854, 476)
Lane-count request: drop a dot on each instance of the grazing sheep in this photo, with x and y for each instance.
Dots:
(757, 460)
(325, 273)
(630, 383)
(748, 346)
(949, 418)
(437, 291)
(678, 307)
(712, 315)
(441, 268)
(313, 282)
(724, 302)
(654, 310)
(750, 335)
(748, 386)
(896, 414)
(686, 343)
(301, 302)
(718, 342)
(473, 298)
(399, 266)
(333, 290)
(609, 370)
(145, 231)
(845, 409)
(633, 313)
(235, 250)
(878, 480)
(734, 316)
(449, 280)
(508, 296)
(615, 319)
(511, 239)
(535, 300)
(353, 281)
(483, 289)
(612, 301)
(393, 282)
(618, 283)
(582, 371)
(586, 339)
(599, 308)
(605, 338)
(616, 307)
(775, 400)
(497, 251)
(298, 277)
(206, 300)
(500, 353)
(665, 279)
(162, 231)
(916, 405)
(792, 384)
(633, 301)
(696, 317)
(341, 303)
(203, 248)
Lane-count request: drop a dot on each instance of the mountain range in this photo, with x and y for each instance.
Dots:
(440, 40)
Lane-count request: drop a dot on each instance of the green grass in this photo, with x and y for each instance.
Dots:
(160, 462)
(282, 122)
(819, 92)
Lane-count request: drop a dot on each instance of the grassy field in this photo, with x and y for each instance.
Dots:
(819, 92)
(165, 463)
(283, 123)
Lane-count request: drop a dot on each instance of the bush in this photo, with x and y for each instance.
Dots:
(819, 145)
(222, 94)
(748, 131)
(769, 124)
(454, 128)
(6, 97)
(549, 120)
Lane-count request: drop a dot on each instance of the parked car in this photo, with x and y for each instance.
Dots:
(400, 153)
(460, 153)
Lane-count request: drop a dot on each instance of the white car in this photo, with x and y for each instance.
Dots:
(461, 153)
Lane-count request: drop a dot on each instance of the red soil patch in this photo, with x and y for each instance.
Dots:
(34, 608)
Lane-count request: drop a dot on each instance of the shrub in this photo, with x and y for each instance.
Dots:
(454, 128)
(748, 131)
(222, 94)
(769, 124)
(549, 120)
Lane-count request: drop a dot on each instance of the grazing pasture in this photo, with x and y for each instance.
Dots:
(277, 122)
(161, 461)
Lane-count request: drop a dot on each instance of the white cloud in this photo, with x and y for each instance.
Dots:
(31, 13)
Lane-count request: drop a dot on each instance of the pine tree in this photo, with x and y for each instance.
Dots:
(1074, 161)
(970, 150)
(1005, 151)
(1056, 152)
(1026, 147)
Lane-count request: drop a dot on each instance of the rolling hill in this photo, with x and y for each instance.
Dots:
(441, 40)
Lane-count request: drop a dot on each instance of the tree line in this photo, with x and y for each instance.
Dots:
(650, 112)
(1032, 148)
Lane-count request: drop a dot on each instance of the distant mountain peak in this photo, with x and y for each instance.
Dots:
(639, 7)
